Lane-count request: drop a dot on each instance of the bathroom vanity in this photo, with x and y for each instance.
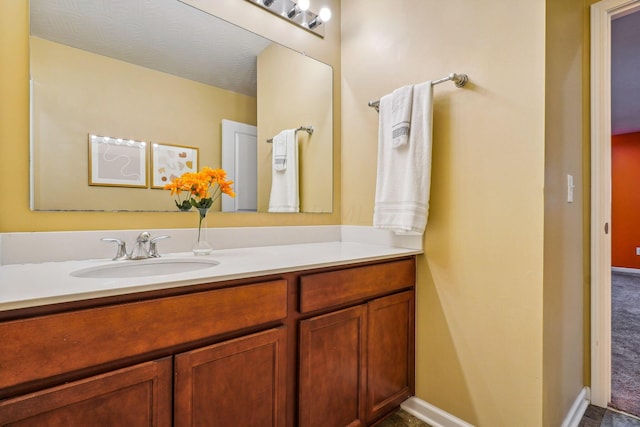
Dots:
(326, 346)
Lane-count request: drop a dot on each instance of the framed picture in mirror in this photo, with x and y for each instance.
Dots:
(117, 162)
(170, 161)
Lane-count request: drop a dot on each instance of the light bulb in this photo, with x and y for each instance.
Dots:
(303, 4)
(325, 14)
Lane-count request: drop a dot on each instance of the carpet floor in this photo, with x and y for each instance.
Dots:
(625, 342)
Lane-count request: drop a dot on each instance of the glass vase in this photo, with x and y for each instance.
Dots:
(202, 246)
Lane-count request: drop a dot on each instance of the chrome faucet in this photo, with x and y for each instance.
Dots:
(141, 250)
(144, 248)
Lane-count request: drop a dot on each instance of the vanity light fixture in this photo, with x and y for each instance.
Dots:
(323, 16)
(297, 12)
(298, 8)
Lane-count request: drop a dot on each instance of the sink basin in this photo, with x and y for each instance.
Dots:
(144, 268)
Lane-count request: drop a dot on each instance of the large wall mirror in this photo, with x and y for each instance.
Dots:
(127, 94)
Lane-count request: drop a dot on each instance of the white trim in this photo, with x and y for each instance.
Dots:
(626, 270)
(601, 15)
(578, 408)
(432, 415)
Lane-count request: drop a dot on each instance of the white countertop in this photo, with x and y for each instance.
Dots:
(35, 284)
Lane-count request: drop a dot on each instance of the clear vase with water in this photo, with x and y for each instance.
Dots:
(202, 246)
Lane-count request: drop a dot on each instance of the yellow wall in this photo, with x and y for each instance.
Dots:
(287, 100)
(479, 303)
(76, 92)
(14, 127)
(564, 263)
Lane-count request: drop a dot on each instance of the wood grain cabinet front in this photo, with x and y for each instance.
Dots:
(390, 353)
(57, 344)
(240, 382)
(356, 364)
(320, 291)
(137, 396)
(71, 346)
(332, 358)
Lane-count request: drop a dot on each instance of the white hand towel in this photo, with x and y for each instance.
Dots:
(284, 181)
(402, 99)
(404, 175)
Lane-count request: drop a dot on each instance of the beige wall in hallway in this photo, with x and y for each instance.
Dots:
(565, 280)
(479, 313)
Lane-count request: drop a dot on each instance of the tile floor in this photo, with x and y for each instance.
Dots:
(600, 417)
(402, 419)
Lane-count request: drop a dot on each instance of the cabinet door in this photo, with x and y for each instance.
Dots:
(136, 396)
(332, 355)
(390, 370)
(241, 382)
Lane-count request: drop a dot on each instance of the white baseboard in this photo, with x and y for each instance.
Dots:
(578, 408)
(432, 415)
(625, 270)
(438, 418)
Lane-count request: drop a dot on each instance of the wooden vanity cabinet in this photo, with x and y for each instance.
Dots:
(330, 347)
(356, 363)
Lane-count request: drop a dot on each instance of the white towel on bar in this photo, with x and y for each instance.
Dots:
(404, 174)
(402, 99)
(284, 182)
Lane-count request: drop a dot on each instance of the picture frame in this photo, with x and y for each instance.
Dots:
(169, 161)
(117, 162)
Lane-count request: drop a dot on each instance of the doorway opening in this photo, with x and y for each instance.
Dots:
(602, 15)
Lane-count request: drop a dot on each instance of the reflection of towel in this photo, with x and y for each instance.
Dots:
(401, 115)
(280, 153)
(284, 181)
(404, 175)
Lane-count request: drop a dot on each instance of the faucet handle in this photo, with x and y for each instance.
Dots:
(153, 250)
(122, 248)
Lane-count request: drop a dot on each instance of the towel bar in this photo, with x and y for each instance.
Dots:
(459, 79)
(308, 129)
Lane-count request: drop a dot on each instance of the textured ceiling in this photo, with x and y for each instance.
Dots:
(625, 74)
(164, 35)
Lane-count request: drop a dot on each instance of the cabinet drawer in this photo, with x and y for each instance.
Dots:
(45, 346)
(323, 290)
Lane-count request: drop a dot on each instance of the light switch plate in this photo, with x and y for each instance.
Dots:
(570, 188)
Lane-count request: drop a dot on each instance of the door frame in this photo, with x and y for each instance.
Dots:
(602, 13)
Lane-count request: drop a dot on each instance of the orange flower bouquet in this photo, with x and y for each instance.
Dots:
(202, 188)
